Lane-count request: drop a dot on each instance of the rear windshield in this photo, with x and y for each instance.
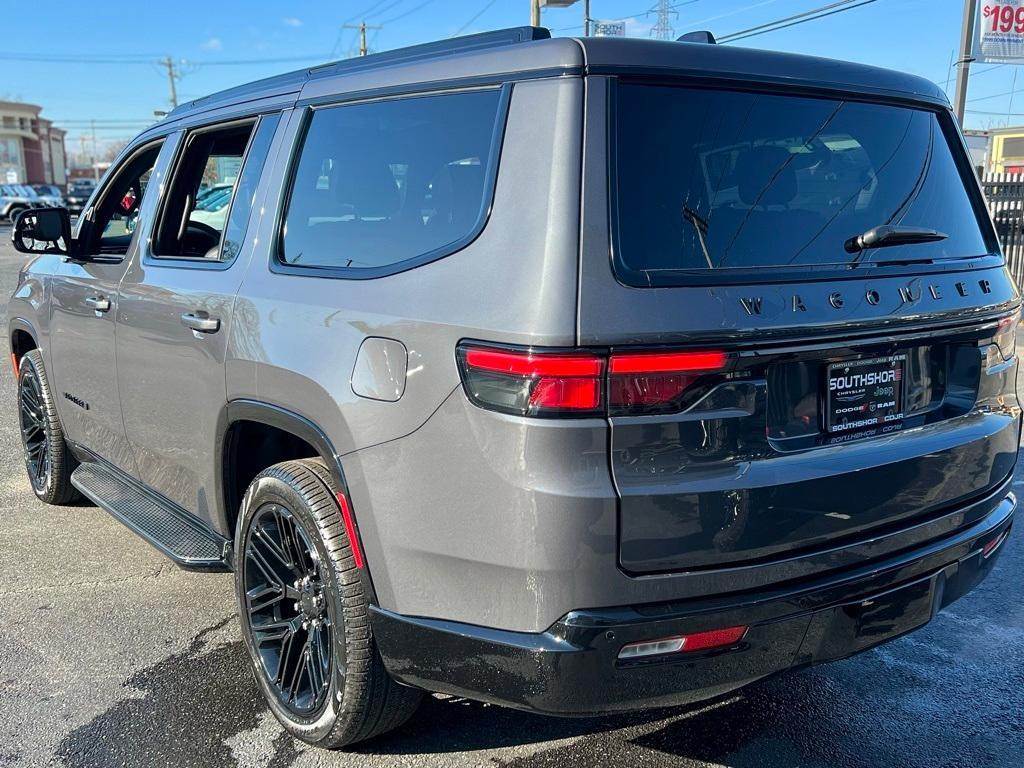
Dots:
(729, 180)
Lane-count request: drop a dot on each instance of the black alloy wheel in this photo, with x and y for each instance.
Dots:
(289, 615)
(305, 611)
(34, 436)
(47, 457)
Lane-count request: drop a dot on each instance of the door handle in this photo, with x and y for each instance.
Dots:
(200, 322)
(98, 303)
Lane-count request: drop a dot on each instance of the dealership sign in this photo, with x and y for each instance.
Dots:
(1000, 31)
(610, 29)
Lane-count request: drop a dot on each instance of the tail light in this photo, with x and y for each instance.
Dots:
(530, 382)
(1006, 335)
(645, 383)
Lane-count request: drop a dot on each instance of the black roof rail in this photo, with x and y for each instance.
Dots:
(294, 80)
(477, 42)
(700, 36)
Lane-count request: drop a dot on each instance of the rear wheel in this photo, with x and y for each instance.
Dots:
(47, 457)
(304, 612)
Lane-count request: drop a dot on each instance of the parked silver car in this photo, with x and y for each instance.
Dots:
(50, 194)
(15, 198)
(577, 376)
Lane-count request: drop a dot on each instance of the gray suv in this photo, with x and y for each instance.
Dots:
(577, 376)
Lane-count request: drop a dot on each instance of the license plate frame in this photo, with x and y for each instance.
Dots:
(864, 394)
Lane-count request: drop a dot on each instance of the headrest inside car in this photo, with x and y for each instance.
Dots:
(767, 177)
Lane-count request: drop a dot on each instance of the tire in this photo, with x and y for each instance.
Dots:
(48, 459)
(13, 212)
(353, 698)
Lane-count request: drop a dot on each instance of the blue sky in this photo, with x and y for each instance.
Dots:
(918, 36)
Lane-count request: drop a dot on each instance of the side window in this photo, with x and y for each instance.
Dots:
(245, 189)
(389, 183)
(116, 215)
(195, 210)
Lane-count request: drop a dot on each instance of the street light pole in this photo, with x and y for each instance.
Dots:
(586, 18)
(966, 57)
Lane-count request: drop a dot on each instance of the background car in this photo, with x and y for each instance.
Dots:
(78, 195)
(212, 206)
(15, 198)
(50, 194)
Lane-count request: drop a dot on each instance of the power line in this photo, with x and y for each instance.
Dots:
(648, 12)
(82, 59)
(469, 23)
(409, 12)
(792, 21)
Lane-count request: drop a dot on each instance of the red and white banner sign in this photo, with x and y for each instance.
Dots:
(1000, 31)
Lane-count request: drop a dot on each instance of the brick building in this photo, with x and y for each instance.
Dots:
(31, 148)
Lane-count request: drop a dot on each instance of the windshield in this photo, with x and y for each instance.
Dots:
(715, 180)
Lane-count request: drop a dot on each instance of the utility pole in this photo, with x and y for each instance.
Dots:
(362, 27)
(534, 13)
(95, 152)
(966, 57)
(662, 29)
(172, 75)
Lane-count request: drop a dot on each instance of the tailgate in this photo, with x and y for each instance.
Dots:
(761, 462)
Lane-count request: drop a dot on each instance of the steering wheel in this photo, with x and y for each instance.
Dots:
(205, 229)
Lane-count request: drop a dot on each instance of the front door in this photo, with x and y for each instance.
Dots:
(175, 312)
(84, 306)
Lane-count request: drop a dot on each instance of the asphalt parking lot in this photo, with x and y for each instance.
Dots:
(111, 656)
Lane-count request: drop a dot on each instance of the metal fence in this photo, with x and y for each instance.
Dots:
(1005, 195)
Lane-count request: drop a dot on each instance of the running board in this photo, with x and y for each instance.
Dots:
(172, 531)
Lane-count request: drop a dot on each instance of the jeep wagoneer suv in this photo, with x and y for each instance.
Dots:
(571, 375)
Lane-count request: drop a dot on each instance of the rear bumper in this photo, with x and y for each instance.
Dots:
(573, 667)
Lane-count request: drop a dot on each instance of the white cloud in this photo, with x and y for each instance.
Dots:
(213, 44)
(291, 21)
(638, 27)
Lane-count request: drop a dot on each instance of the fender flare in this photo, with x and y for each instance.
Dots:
(21, 324)
(303, 428)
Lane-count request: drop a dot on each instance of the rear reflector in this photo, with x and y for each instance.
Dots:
(350, 529)
(698, 641)
(989, 549)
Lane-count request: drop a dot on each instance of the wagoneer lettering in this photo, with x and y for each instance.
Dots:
(572, 375)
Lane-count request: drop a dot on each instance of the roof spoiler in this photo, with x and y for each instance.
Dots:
(701, 36)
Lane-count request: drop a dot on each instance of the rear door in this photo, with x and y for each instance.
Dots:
(83, 307)
(826, 395)
(176, 310)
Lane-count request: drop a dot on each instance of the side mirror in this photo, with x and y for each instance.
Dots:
(43, 230)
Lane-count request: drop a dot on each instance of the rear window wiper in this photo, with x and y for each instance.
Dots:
(700, 226)
(888, 235)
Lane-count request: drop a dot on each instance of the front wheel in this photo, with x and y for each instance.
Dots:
(47, 457)
(304, 612)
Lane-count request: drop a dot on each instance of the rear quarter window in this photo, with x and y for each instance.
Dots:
(383, 186)
(718, 182)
